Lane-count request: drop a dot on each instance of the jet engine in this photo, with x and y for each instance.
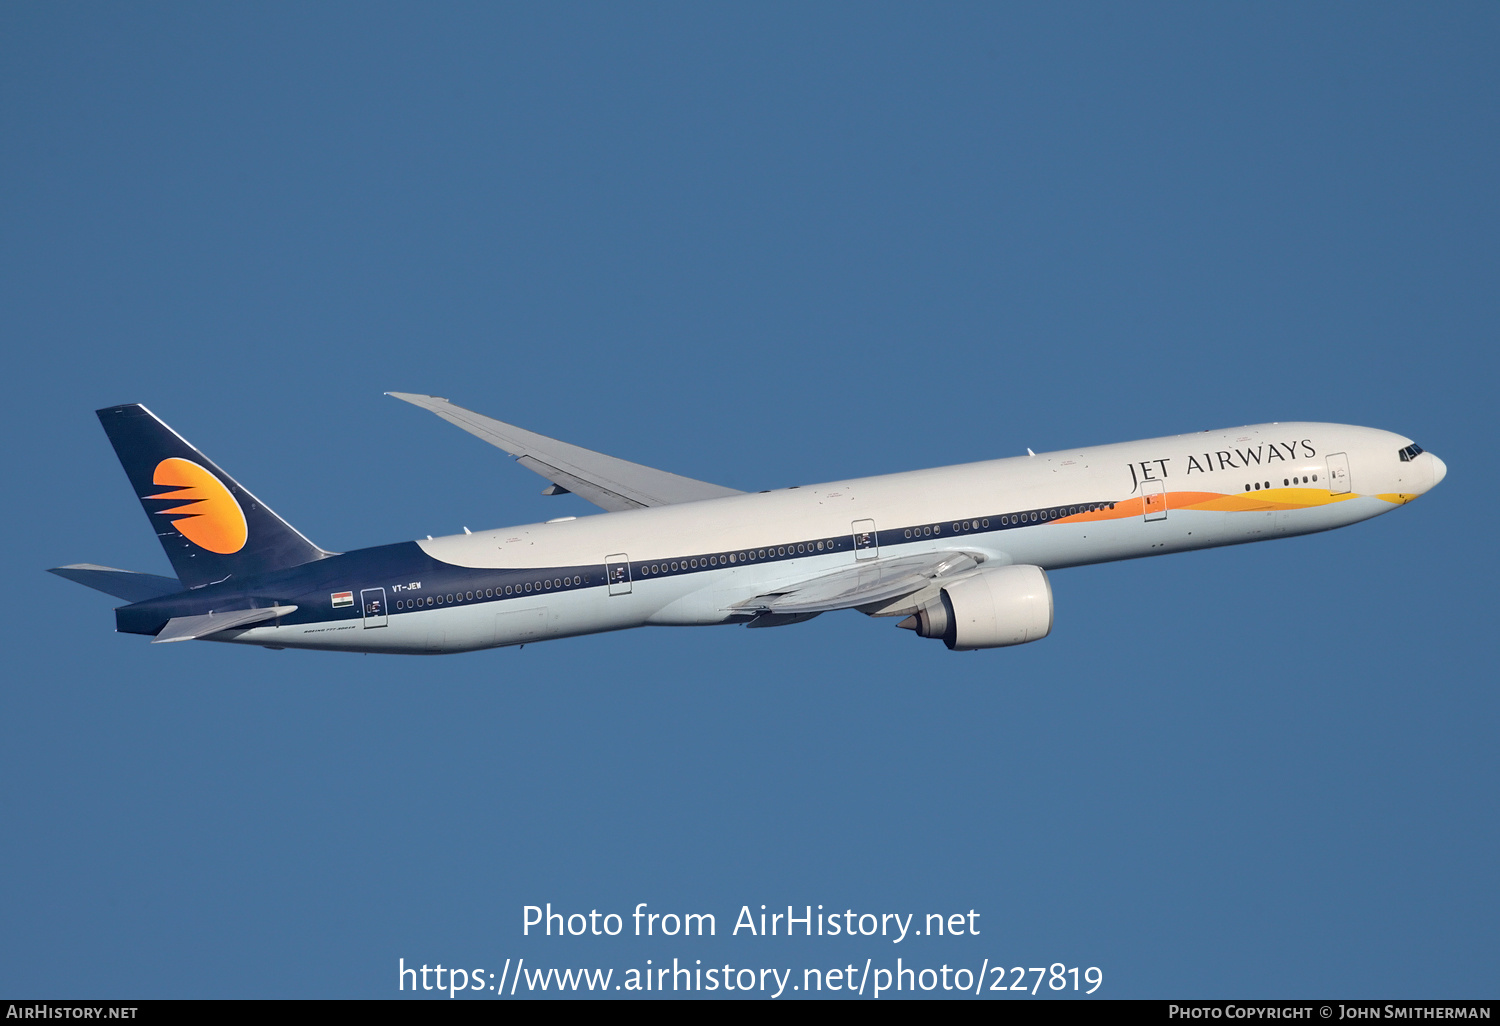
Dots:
(997, 606)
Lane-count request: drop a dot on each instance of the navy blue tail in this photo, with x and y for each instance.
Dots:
(211, 527)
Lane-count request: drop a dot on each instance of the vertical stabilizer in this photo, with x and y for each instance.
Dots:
(211, 527)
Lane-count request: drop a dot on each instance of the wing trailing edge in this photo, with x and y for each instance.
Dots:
(877, 582)
(608, 482)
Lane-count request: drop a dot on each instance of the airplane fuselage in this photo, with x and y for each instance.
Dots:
(696, 563)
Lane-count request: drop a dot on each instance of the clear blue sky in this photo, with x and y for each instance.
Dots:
(758, 244)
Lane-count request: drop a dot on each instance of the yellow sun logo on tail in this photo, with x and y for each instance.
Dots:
(211, 519)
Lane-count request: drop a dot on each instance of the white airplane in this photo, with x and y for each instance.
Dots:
(958, 553)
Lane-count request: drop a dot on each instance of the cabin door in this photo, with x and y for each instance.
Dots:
(372, 601)
(1155, 495)
(617, 573)
(866, 539)
(1338, 473)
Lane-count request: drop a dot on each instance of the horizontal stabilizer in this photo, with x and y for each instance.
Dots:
(609, 483)
(879, 580)
(186, 628)
(125, 584)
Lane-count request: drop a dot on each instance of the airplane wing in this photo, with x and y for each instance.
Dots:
(125, 584)
(609, 483)
(187, 628)
(865, 584)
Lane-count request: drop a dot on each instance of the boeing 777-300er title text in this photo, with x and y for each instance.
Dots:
(959, 553)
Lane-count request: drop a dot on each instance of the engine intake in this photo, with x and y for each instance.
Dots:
(996, 607)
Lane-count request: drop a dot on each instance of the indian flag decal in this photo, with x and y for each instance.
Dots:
(342, 599)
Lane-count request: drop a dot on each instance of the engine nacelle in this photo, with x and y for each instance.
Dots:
(998, 606)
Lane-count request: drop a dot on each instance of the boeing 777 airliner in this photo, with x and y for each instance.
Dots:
(959, 553)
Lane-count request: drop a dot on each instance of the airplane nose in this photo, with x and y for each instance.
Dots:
(1439, 471)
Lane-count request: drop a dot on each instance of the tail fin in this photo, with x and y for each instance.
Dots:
(211, 527)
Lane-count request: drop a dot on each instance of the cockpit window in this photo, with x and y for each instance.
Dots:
(1411, 452)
